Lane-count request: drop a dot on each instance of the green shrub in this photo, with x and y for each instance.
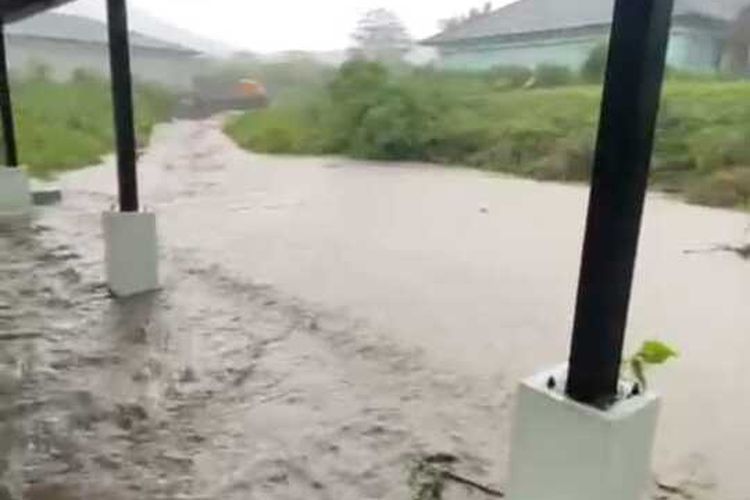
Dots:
(282, 129)
(38, 71)
(721, 146)
(64, 125)
(682, 75)
(454, 137)
(552, 75)
(594, 67)
(570, 160)
(510, 76)
(728, 188)
(390, 128)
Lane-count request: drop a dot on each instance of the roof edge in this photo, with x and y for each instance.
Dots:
(175, 49)
(436, 41)
(432, 42)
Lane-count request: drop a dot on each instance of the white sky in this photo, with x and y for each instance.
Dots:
(274, 25)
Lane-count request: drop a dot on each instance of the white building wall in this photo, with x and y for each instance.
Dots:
(173, 70)
(571, 52)
(691, 48)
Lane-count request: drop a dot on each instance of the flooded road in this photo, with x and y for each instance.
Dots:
(324, 320)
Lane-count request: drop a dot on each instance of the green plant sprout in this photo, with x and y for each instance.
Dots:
(651, 353)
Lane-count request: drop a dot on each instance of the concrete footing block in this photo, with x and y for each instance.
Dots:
(564, 450)
(44, 194)
(15, 194)
(131, 252)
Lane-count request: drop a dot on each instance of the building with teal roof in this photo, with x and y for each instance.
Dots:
(528, 33)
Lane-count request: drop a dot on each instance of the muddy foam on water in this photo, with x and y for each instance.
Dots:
(323, 322)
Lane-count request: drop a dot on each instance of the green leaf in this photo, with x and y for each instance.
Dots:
(654, 352)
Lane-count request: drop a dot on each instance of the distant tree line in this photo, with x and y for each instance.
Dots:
(455, 21)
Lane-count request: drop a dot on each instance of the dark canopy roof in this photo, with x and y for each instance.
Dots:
(13, 10)
(533, 16)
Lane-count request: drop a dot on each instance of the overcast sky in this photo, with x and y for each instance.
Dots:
(274, 25)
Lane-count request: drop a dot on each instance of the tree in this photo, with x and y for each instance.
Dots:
(381, 36)
(594, 67)
(552, 75)
(736, 56)
(455, 21)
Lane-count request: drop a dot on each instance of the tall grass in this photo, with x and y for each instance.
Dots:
(65, 125)
(703, 136)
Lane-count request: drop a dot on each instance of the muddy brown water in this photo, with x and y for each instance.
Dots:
(323, 321)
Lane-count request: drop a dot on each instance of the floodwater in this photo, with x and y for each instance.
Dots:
(323, 321)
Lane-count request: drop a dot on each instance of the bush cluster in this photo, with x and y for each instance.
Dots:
(64, 125)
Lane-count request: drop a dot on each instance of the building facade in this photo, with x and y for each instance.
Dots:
(64, 43)
(563, 32)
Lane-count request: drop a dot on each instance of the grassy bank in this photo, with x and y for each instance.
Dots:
(703, 137)
(61, 126)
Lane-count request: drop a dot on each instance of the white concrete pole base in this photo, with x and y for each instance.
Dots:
(131, 252)
(15, 194)
(563, 450)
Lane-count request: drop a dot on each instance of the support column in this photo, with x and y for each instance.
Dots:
(6, 107)
(580, 434)
(15, 194)
(122, 99)
(632, 90)
(130, 236)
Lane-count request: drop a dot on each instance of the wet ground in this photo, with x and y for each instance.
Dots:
(323, 322)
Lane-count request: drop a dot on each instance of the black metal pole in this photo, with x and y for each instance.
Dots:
(122, 98)
(6, 106)
(632, 89)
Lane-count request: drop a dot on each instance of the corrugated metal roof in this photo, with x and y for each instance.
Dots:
(13, 10)
(528, 16)
(65, 27)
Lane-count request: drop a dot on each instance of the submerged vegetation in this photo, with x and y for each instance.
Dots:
(64, 125)
(538, 124)
(430, 475)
